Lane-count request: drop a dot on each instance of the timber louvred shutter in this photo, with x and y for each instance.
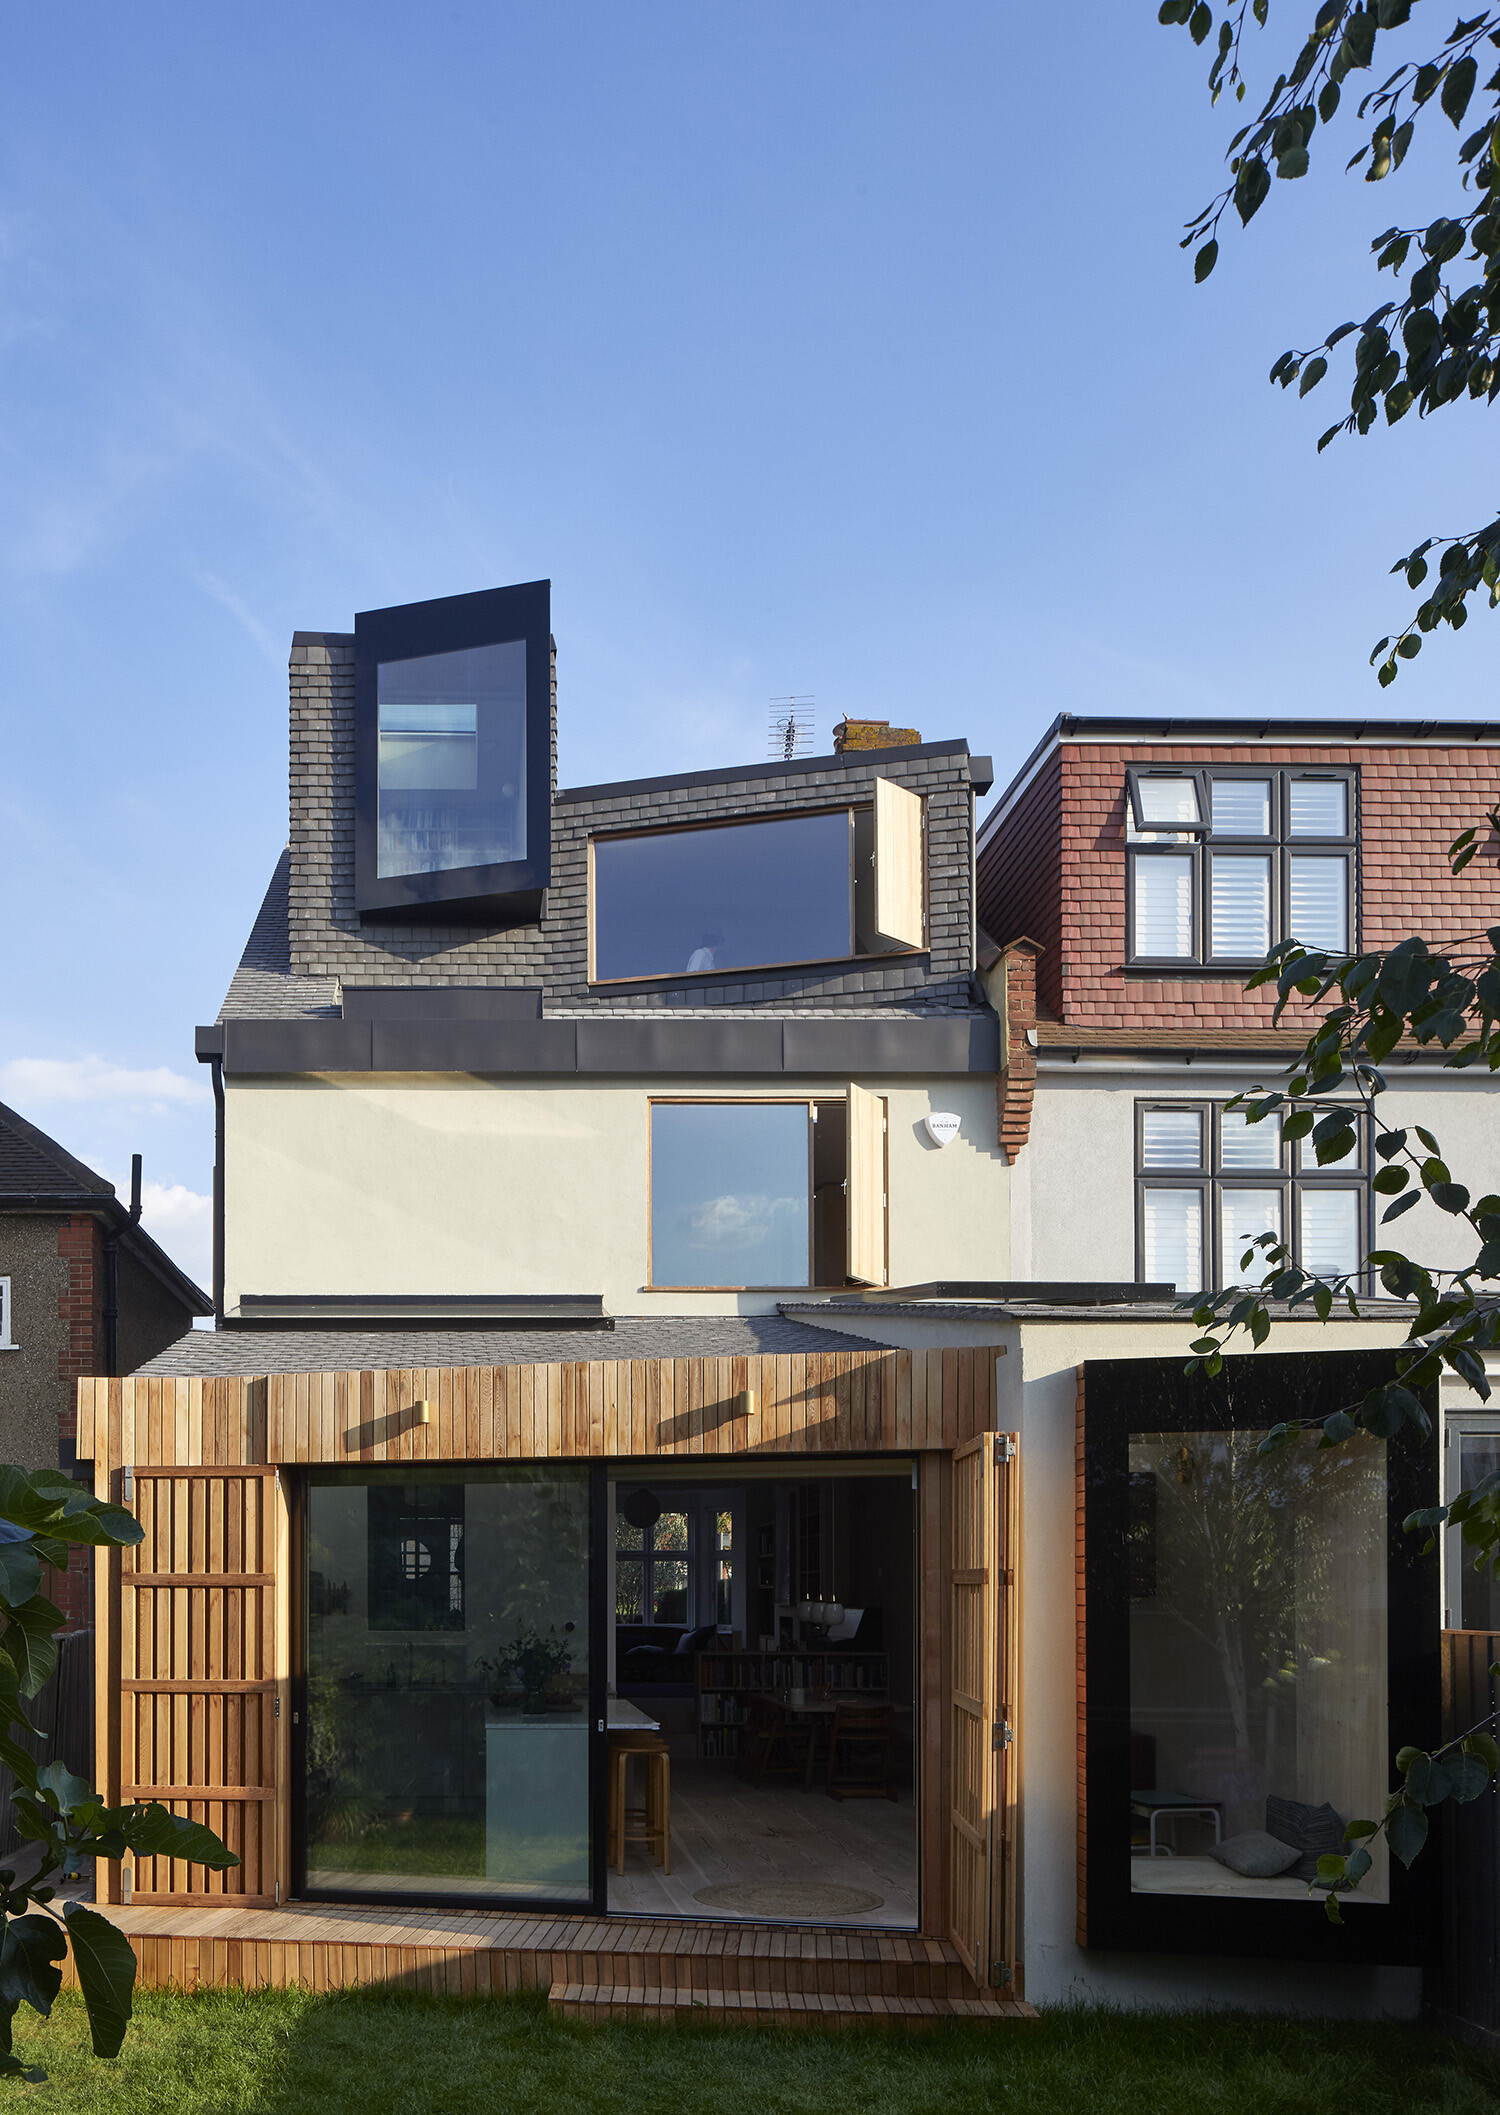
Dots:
(983, 1644)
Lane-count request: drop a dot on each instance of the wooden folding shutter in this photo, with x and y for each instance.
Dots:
(898, 865)
(982, 1747)
(199, 1716)
(867, 1212)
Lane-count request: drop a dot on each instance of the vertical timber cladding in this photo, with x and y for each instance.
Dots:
(196, 1620)
(983, 1632)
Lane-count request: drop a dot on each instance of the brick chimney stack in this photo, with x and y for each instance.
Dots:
(872, 734)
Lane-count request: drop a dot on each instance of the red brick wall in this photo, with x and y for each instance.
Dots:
(79, 1242)
(1020, 877)
(1065, 840)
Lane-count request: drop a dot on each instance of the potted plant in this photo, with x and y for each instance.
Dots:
(531, 1665)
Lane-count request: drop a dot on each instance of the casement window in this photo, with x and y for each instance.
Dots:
(759, 894)
(1259, 1633)
(7, 1335)
(1223, 863)
(415, 1544)
(654, 1570)
(1207, 1182)
(1471, 1451)
(768, 1195)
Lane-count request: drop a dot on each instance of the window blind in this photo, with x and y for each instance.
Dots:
(1243, 1215)
(1330, 1231)
(1171, 1138)
(1241, 806)
(1318, 902)
(1317, 807)
(1172, 1233)
(1246, 1145)
(1240, 905)
(1164, 906)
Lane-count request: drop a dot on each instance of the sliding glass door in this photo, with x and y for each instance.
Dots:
(449, 1683)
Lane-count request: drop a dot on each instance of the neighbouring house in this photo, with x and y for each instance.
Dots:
(665, 1331)
(83, 1290)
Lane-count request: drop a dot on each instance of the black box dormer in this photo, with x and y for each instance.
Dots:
(453, 759)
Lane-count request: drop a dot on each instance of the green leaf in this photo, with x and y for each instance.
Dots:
(31, 1640)
(1312, 375)
(1200, 22)
(106, 1974)
(67, 1790)
(1486, 1748)
(1205, 261)
(1468, 1776)
(1356, 1865)
(1458, 86)
(154, 1831)
(1260, 1326)
(1250, 188)
(1406, 1832)
(20, 1571)
(1354, 1831)
(1390, 1181)
(29, 1954)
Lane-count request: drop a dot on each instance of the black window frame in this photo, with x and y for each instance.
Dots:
(648, 1557)
(1252, 1392)
(1297, 1173)
(505, 893)
(1198, 842)
(857, 811)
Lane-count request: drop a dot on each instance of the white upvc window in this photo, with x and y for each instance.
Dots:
(7, 1338)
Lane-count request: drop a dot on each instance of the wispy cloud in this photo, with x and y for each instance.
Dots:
(29, 1083)
(240, 610)
(182, 1221)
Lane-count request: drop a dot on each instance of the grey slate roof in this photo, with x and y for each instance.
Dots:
(33, 1164)
(210, 1353)
(263, 987)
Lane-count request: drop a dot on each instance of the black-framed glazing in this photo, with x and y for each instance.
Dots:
(593, 1477)
(500, 892)
(1195, 841)
(1294, 1176)
(1124, 1397)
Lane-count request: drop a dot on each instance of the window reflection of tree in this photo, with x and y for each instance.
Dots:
(1276, 1564)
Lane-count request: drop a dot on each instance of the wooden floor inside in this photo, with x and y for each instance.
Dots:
(830, 1861)
(599, 1968)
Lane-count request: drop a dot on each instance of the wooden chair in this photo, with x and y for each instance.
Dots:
(773, 1745)
(859, 1752)
(650, 1823)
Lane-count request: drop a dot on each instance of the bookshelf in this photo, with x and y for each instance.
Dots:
(726, 1680)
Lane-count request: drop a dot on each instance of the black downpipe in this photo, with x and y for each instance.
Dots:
(216, 1070)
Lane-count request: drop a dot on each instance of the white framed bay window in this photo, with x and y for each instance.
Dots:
(1207, 1183)
(1224, 861)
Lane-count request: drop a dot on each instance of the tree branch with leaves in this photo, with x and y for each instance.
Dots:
(1438, 343)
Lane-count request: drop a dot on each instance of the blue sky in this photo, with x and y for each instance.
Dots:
(841, 350)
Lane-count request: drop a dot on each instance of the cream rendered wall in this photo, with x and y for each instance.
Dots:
(1081, 1182)
(452, 1184)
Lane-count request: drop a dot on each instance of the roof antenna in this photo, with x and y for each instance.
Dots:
(135, 1187)
(791, 728)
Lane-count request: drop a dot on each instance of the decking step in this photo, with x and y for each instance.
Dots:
(602, 2003)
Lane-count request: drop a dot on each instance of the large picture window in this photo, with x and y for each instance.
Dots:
(1260, 1635)
(452, 758)
(773, 1195)
(1225, 862)
(1208, 1182)
(781, 890)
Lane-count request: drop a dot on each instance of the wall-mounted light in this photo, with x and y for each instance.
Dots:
(942, 1126)
(423, 1412)
(744, 1403)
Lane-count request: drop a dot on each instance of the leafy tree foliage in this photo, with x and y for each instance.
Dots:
(1437, 343)
(43, 1517)
(1448, 999)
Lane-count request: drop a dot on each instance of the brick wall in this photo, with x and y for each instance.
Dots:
(327, 939)
(1056, 870)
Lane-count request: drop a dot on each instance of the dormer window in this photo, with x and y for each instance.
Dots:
(1225, 862)
(759, 894)
(453, 758)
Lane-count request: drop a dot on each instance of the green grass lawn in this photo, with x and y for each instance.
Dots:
(395, 2053)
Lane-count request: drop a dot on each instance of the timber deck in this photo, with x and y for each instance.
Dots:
(598, 1968)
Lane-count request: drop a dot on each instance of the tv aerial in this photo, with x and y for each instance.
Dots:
(791, 728)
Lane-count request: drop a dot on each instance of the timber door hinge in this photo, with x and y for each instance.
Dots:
(1005, 1446)
(1003, 1734)
(999, 1974)
(277, 1702)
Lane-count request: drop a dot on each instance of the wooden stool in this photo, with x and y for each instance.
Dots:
(651, 1823)
(859, 1752)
